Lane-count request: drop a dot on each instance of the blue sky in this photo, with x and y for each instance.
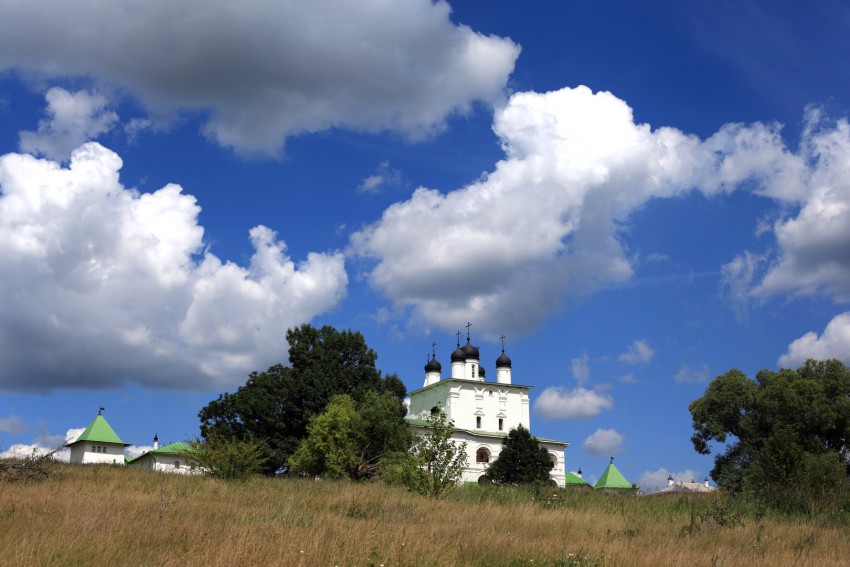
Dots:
(639, 195)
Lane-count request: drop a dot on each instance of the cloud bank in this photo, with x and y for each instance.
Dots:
(834, 342)
(12, 424)
(692, 374)
(74, 118)
(637, 353)
(812, 255)
(104, 285)
(546, 223)
(558, 402)
(266, 70)
(42, 445)
(603, 442)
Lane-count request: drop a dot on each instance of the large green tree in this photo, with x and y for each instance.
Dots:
(275, 406)
(786, 434)
(350, 439)
(521, 461)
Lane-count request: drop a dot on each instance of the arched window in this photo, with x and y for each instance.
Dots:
(554, 458)
(478, 422)
(482, 455)
(501, 424)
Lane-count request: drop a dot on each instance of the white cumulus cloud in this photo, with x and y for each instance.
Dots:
(834, 342)
(545, 224)
(12, 424)
(692, 374)
(43, 445)
(603, 442)
(581, 368)
(558, 402)
(812, 255)
(73, 118)
(266, 70)
(383, 178)
(111, 285)
(638, 352)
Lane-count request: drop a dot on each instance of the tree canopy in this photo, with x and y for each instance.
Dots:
(275, 406)
(350, 439)
(786, 433)
(434, 464)
(521, 461)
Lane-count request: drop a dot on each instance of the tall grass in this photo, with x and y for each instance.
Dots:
(89, 515)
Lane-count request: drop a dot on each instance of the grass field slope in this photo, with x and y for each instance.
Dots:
(105, 515)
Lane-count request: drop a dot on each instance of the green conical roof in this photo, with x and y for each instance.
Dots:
(612, 478)
(571, 478)
(99, 431)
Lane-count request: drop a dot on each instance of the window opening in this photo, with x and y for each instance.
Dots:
(478, 422)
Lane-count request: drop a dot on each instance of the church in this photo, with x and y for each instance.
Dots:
(482, 411)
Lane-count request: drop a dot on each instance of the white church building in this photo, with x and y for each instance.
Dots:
(482, 412)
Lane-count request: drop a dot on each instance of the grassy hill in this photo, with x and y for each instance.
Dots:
(102, 515)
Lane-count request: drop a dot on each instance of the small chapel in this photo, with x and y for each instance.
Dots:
(98, 443)
(482, 411)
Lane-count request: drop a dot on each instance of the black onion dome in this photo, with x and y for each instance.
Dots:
(503, 361)
(433, 366)
(458, 355)
(470, 351)
(481, 372)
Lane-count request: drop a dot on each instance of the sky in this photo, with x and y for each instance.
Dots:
(639, 196)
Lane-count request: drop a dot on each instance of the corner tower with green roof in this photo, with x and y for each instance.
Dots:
(98, 444)
(612, 479)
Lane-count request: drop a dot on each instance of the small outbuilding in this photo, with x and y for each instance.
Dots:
(98, 443)
(172, 458)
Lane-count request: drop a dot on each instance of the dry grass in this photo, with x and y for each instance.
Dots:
(96, 515)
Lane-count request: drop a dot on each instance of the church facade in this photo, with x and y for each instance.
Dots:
(482, 411)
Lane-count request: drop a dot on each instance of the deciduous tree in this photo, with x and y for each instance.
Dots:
(521, 461)
(351, 440)
(435, 463)
(786, 434)
(275, 406)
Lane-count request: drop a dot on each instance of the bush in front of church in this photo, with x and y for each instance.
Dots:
(521, 461)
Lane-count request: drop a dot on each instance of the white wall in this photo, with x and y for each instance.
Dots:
(475, 470)
(106, 453)
(166, 463)
(463, 401)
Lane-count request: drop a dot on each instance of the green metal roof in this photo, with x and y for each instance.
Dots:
(176, 448)
(99, 431)
(571, 478)
(612, 478)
